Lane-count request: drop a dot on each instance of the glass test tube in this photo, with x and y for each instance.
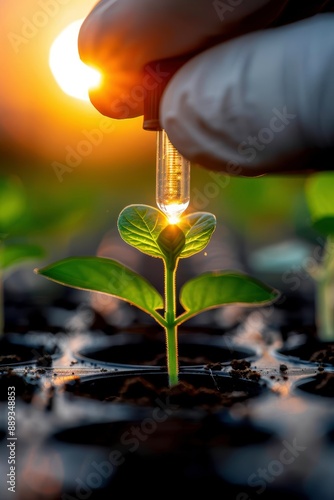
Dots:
(173, 178)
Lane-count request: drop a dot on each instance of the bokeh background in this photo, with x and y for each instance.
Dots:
(40, 125)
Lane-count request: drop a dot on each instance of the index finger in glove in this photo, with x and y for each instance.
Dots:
(261, 103)
(121, 37)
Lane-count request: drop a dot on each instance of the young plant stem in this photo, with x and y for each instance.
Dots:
(171, 327)
(325, 294)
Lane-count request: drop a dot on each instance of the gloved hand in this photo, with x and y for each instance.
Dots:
(257, 93)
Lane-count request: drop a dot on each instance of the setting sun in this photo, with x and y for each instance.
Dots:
(73, 76)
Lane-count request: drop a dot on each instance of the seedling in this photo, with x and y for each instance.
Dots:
(149, 230)
(319, 195)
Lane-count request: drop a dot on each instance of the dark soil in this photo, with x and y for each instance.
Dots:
(24, 389)
(9, 359)
(13, 353)
(139, 391)
(242, 368)
(324, 356)
(211, 393)
(44, 361)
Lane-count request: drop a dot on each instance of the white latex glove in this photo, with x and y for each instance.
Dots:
(251, 104)
(262, 102)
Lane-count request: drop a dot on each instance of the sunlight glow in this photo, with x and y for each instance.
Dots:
(173, 219)
(173, 211)
(73, 76)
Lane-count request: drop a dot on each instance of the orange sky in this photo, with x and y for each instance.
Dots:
(37, 119)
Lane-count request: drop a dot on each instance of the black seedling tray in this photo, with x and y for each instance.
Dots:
(274, 436)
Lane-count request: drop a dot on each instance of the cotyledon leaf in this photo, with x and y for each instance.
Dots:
(215, 289)
(140, 226)
(197, 228)
(99, 274)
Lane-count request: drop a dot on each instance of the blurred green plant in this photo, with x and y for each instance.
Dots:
(35, 219)
(319, 190)
(149, 230)
(13, 250)
(254, 207)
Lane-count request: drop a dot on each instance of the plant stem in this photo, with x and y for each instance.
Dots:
(171, 328)
(325, 294)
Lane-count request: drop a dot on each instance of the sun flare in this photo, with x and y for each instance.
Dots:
(73, 76)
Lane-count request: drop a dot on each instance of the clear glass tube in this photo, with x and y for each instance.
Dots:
(173, 179)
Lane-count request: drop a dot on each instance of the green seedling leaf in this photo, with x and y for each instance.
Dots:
(197, 228)
(215, 289)
(140, 227)
(319, 190)
(99, 274)
(11, 255)
(171, 241)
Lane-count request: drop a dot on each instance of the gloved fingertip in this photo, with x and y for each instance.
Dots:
(111, 103)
